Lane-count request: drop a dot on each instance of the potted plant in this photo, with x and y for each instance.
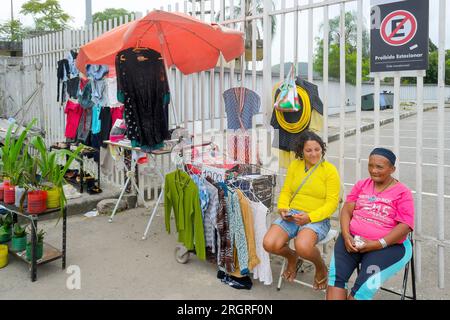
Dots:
(36, 196)
(39, 246)
(11, 154)
(5, 229)
(52, 172)
(19, 238)
(19, 180)
(3, 255)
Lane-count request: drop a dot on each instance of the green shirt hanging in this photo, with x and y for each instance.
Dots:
(181, 194)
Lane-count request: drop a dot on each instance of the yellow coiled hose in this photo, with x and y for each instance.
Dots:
(305, 118)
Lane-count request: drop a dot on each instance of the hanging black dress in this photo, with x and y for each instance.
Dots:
(142, 79)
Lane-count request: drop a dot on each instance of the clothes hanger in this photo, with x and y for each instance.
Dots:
(138, 47)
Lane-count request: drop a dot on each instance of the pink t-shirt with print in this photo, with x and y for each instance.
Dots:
(376, 214)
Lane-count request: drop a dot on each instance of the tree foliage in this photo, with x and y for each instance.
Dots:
(433, 60)
(350, 49)
(110, 13)
(47, 14)
(431, 76)
(13, 30)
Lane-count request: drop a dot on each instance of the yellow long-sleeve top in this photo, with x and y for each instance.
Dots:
(319, 196)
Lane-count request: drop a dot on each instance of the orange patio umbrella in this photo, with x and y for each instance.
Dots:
(183, 41)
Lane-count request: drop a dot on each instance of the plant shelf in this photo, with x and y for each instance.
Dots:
(50, 254)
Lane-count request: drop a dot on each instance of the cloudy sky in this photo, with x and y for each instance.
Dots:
(76, 8)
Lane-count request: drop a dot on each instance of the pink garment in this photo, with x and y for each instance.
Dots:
(73, 111)
(239, 146)
(83, 83)
(376, 214)
(117, 113)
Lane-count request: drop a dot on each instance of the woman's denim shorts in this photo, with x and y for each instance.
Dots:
(321, 228)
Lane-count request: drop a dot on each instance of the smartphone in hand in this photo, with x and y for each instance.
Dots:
(288, 214)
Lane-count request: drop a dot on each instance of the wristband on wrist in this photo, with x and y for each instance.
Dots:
(383, 242)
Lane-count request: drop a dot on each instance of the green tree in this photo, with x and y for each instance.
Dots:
(334, 37)
(431, 75)
(110, 13)
(47, 14)
(13, 30)
(432, 72)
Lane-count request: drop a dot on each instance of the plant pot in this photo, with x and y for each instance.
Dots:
(39, 250)
(19, 193)
(37, 201)
(3, 255)
(9, 194)
(18, 244)
(53, 197)
(5, 234)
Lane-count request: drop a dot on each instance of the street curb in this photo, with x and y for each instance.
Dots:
(366, 127)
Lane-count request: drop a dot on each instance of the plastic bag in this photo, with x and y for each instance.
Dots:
(287, 100)
(118, 130)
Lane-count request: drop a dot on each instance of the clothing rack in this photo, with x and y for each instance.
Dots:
(182, 254)
(161, 176)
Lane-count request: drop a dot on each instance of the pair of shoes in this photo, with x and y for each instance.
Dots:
(234, 282)
(60, 145)
(86, 179)
(291, 275)
(94, 190)
(71, 174)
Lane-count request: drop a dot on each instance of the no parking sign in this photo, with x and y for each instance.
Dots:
(399, 35)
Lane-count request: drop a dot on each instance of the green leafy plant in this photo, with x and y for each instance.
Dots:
(11, 153)
(31, 176)
(40, 236)
(19, 231)
(49, 168)
(7, 221)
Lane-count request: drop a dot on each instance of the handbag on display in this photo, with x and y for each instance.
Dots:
(118, 131)
(287, 100)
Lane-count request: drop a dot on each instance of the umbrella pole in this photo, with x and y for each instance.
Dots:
(177, 125)
(161, 43)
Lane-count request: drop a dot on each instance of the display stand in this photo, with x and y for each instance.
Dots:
(80, 160)
(161, 176)
(131, 176)
(50, 253)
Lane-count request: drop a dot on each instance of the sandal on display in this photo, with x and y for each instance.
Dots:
(70, 174)
(94, 190)
(86, 179)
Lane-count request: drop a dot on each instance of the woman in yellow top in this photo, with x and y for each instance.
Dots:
(308, 198)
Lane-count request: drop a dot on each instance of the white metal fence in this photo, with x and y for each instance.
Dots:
(198, 96)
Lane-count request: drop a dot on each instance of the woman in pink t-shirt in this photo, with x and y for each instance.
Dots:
(375, 222)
